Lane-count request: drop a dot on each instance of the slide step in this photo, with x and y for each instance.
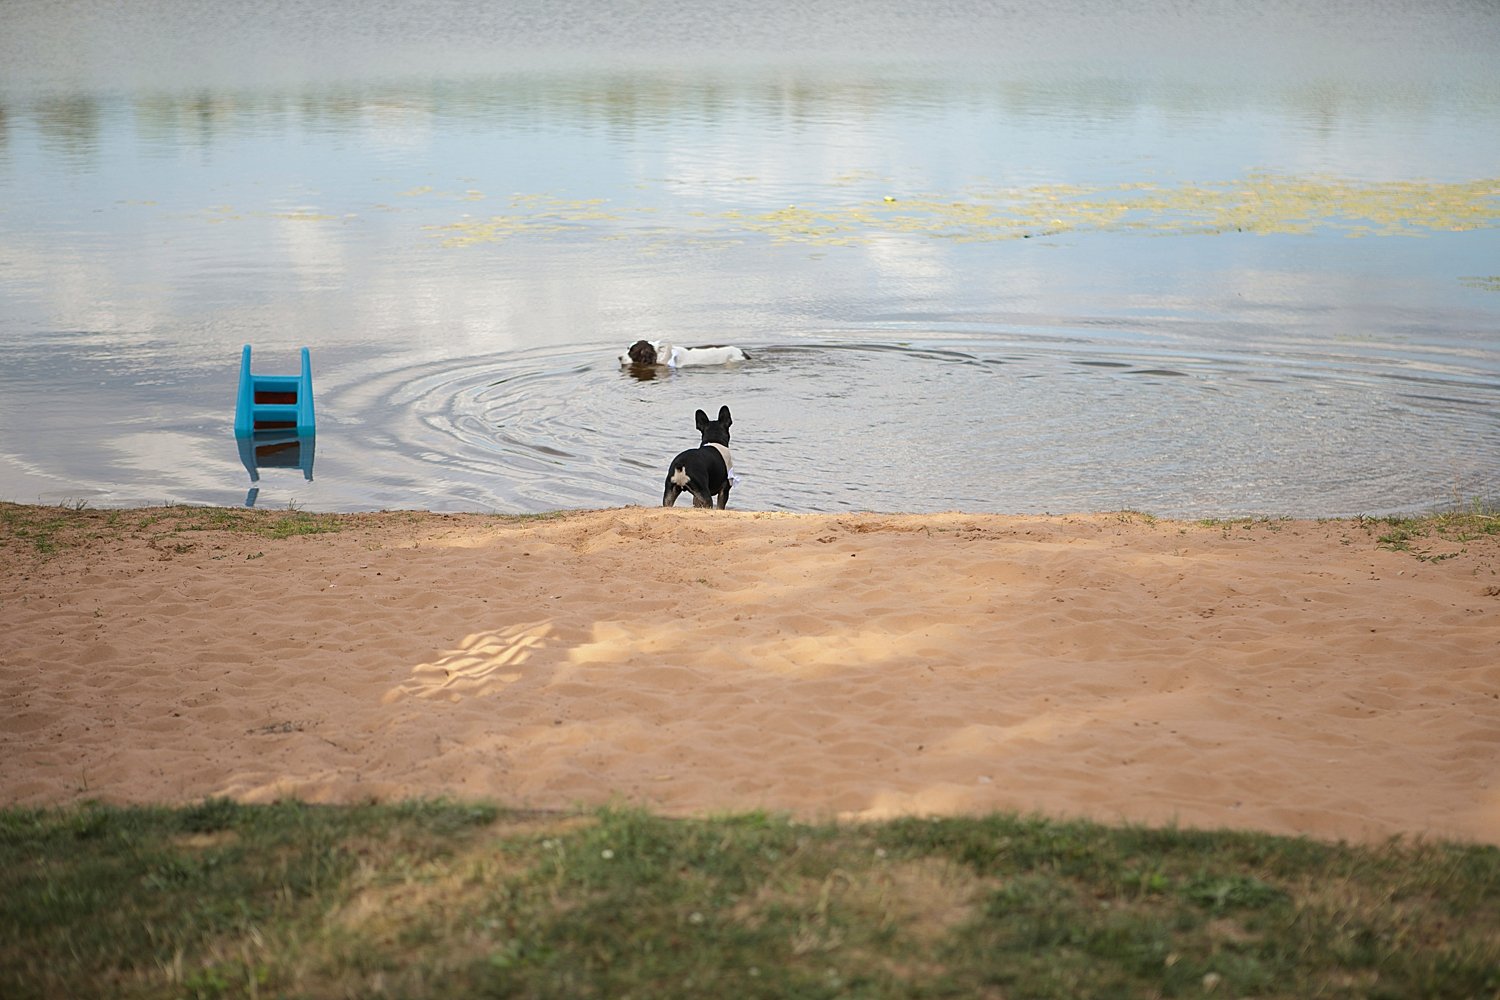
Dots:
(274, 401)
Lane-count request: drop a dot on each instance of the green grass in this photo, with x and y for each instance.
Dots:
(1226, 526)
(37, 527)
(444, 899)
(47, 530)
(1430, 537)
(265, 523)
(1411, 534)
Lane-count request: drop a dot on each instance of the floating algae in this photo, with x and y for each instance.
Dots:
(305, 215)
(1260, 203)
(534, 214)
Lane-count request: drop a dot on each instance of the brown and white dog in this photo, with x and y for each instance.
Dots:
(661, 352)
(706, 471)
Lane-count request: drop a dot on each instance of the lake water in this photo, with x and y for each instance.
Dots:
(1215, 259)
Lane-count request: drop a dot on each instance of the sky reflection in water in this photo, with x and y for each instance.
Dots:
(447, 197)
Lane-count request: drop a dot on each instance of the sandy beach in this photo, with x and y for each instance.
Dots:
(1287, 676)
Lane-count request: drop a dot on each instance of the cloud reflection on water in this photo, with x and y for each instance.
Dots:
(408, 186)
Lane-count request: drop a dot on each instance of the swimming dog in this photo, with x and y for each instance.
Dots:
(662, 352)
(705, 471)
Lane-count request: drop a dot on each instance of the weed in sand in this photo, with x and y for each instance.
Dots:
(1455, 527)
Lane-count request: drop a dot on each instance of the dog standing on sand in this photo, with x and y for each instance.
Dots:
(662, 352)
(706, 471)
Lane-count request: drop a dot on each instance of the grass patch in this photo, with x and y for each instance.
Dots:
(47, 530)
(37, 528)
(447, 899)
(1227, 525)
(1417, 534)
(265, 523)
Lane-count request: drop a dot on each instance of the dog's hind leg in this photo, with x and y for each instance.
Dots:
(724, 497)
(677, 481)
(671, 493)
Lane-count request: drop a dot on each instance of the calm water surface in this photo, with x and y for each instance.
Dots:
(1205, 260)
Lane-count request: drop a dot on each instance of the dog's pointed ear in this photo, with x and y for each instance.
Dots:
(702, 419)
(724, 416)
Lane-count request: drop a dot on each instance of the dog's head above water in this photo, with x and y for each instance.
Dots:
(642, 352)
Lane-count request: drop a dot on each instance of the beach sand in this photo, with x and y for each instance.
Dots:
(1285, 676)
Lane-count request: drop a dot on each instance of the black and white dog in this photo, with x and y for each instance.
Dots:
(662, 352)
(706, 471)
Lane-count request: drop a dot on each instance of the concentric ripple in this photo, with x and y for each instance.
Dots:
(971, 423)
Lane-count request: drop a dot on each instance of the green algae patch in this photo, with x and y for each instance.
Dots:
(1260, 203)
(531, 215)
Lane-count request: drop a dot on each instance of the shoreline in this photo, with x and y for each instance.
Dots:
(1294, 677)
